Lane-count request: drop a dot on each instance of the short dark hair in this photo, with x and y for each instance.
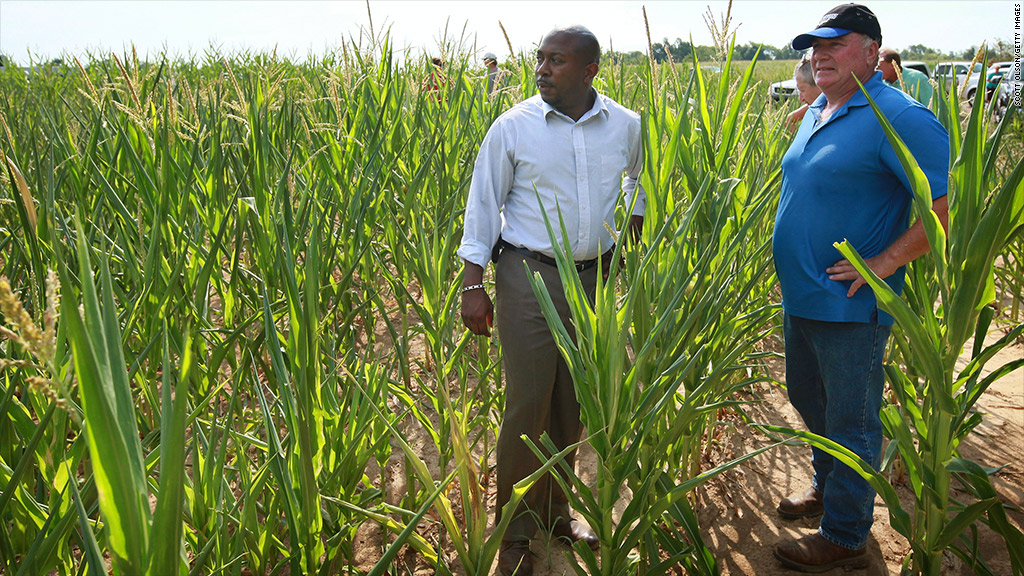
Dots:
(586, 43)
(890, 55)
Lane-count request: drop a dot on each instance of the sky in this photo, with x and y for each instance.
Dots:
(43, 29)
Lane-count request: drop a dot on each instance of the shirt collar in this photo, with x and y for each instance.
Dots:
(599, 107)
(872, 86)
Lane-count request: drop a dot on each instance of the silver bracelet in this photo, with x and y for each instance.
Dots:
(471, 287)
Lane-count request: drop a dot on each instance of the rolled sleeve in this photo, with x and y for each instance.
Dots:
(492, 179)
(631, 181)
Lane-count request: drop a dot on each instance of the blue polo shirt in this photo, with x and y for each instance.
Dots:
(842, 180)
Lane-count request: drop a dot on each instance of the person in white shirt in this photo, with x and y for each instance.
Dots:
(570, 145)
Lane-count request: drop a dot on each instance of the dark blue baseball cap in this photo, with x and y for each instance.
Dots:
(840, 21)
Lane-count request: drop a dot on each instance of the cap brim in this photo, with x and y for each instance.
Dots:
(804, 41)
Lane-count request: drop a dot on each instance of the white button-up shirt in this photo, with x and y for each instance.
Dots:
(576, 166)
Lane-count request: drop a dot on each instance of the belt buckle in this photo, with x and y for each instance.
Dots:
(580, 266)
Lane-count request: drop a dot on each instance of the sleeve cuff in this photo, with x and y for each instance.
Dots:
(475, 253)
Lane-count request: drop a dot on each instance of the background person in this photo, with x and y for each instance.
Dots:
(436, 81)
(841, 179)
(911, 81)
(495, 75)
(806, 89)
(570, 145)
(992, 79)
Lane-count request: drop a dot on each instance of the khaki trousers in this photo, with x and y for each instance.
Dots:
(539, 392)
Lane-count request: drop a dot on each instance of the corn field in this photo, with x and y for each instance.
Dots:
(231, 327)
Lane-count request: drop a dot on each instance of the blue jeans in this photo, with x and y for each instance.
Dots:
(834, 378)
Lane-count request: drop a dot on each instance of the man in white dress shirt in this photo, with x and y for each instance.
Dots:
(571, 146)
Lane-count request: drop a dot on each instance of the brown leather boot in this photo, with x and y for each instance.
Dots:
(815, 554)
(515, 558)
(806, 505)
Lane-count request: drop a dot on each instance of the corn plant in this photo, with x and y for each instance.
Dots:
(626, 415)
(139, 541)
(44, 368)
(705, 150)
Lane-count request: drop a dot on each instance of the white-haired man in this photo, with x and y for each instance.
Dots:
(842, 180)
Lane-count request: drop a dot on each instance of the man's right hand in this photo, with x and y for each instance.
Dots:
(477, 309)
(477, 312)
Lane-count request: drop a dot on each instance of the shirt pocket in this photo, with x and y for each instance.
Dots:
(612, 168)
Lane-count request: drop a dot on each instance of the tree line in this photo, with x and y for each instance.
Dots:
(682, 51)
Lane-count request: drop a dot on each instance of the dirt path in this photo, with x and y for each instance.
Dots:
(738, 509)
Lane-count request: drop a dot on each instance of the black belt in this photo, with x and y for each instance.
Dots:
(580, 265)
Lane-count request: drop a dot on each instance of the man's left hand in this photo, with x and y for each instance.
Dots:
(634, 231)
(606, 264)
(843, 271)
(636, 227)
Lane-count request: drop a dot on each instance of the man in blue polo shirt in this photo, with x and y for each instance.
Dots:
(842, 180)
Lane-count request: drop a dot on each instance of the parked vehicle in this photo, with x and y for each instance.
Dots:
(1000, 100)
(1012, 84)
(783, 90)
(921, 67)
(973, 81)
(948, 73)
